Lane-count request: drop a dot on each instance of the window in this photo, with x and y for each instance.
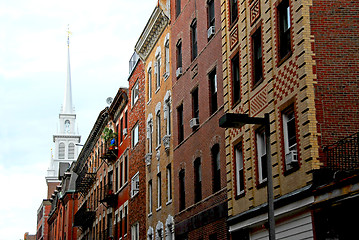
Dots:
(168, 116)
(71, 151)
(213, 91)
(62, 151)
(178, 7)
(150, 197)
(211, 17)
(167, 58)
(216, 165)
(135, 231)
(284, 26)
(236, 91)
(233, 10)
(180, 124)
(134, 93)
(158, 72)
(257, 56)
(149, 86)
(125, 174)
(135, 135)
(197, 180)
(261, 156)
(149, 136)
(290, 140)
(194, 39)
(135, 184)
(169, 183)
(195, 105)
(125, 221)
(179, 54)
(121, 130)
(182, 190)
(116, 178)
(121, 233)
(158, 128)
(159, 198)
(239, 169)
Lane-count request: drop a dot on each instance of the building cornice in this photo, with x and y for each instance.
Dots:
(154, 27)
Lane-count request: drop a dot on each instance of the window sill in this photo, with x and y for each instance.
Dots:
(159, 208)
(149, 215)
(157, 89)
(169, 202)
(262, 184)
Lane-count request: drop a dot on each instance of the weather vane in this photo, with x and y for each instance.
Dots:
(68, 35)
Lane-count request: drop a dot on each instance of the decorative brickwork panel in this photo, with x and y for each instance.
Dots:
(255, 12)
(258, 102)
(234, 37)
(286, 81)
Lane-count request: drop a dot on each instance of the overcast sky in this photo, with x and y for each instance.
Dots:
(33, 55)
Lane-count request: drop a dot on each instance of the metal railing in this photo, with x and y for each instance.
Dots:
(344, 154)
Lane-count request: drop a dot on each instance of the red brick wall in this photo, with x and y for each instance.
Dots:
(197, 143)
(136, 114)
(335, 27)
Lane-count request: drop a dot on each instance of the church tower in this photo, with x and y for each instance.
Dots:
(66, 138)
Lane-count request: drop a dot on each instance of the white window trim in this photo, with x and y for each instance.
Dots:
(239, 161)
(134, 190)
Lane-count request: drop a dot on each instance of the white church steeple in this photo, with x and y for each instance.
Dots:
(66, 139)
(67, 105)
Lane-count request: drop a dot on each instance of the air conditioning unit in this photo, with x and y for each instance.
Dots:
(211, 31)
(194, 122)
(124, 132)
(291, 158)
(179, 72)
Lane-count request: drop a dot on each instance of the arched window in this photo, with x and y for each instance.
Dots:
(71, 154)
(62, 150)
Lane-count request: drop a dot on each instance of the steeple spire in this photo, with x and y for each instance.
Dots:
(67, 105)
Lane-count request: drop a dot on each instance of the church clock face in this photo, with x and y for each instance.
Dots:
(67, 126)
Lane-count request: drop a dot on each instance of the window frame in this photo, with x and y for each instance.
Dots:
(149, 84)
(194, 40)
(213, 89)
(135, 93)
(261, 156)
(284, 35)
(178, 7)
(182, 190)
(233, 7)
(211, 16)
(180, 123)
(134, 188)
(159, 192)
(179, 56)
(216, 168)
(239, 173)
(135, 135)
(288, 116)
(169, 183)
(235, 79)
(150, 197)
(158, 129)
(197, 166)
(257, 57)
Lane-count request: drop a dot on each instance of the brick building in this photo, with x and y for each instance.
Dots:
(42, 216)
(102, 169)
(63, 207)
(137, 167)
(296, 61)
(199, 157)
(153, 47)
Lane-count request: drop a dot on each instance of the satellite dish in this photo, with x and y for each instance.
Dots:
(109, 100)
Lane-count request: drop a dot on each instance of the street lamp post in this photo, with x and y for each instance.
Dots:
(235, 120)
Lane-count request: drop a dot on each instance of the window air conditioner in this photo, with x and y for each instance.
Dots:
(291, 157)
(124, 132)
(211, 31)
(179, 72)
(194, 122)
